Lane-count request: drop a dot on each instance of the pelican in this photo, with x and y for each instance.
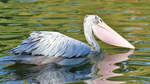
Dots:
(55, 44)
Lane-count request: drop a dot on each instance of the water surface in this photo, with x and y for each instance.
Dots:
(130, 18)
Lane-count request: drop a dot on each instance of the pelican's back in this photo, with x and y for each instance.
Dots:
(51, 44)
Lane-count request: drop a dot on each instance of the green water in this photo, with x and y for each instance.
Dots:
(18, 18)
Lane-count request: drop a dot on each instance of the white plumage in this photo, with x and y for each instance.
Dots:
(52, 44)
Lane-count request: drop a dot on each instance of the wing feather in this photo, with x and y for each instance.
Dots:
(52, 44)
(63, 48)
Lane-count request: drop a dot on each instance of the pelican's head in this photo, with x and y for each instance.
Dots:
(105, 33)
(94, 19)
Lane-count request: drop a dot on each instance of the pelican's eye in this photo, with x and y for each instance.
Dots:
(100, 20)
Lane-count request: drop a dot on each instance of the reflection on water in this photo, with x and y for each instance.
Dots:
(73, 70)
(83, 72)
(52, 73)
(107, 66)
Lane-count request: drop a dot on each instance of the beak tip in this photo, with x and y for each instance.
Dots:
(132, 47)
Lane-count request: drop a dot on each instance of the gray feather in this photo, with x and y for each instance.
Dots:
(52, 44)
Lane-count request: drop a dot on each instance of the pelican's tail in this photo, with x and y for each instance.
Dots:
(7, 58)
(36, 60)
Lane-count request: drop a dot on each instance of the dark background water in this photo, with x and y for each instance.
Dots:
(130, 18)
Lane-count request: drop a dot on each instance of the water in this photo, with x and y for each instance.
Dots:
(130, 18)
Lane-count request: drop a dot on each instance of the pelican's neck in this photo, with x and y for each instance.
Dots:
(89, 36)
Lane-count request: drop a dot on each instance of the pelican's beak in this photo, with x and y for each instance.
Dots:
(108, 35)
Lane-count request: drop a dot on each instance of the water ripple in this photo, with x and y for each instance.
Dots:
(54, 18)
(104, 11)
(140, 56)
(141, 42)
(22, 1)
(138, 17)
(144, 63)
(5, 17)
(4, 1)
(128, 11)
(141, 77)
(74, 30)
(131, 35)
(132, 28)
(143, 49)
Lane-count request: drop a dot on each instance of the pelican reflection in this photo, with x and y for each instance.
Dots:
(107, 66)
(55, 73)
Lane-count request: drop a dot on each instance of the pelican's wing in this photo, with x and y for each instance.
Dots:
(52, 44)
